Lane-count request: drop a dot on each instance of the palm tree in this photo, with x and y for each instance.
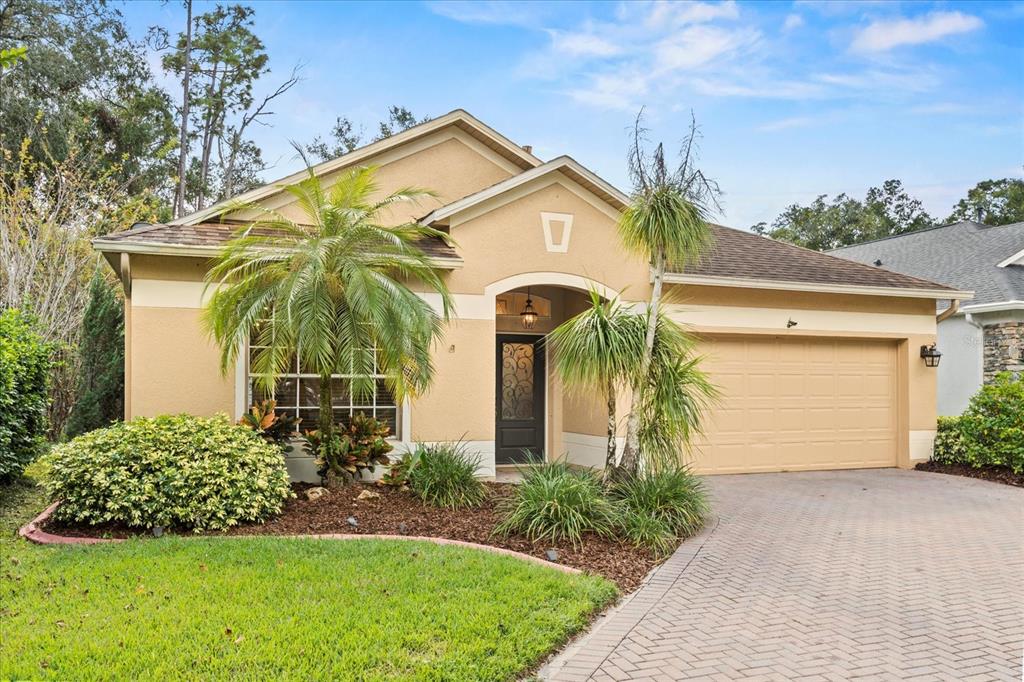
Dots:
(331, 290)
(602, 350)
(597, 351)
(665, 222)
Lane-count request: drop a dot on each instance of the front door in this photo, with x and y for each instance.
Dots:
(519, 412)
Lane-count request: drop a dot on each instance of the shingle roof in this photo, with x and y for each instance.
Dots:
(964, 255)
(740, 254)
(215, 235)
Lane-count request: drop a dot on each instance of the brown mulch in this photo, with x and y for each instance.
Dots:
(995, 474)
(620, 562)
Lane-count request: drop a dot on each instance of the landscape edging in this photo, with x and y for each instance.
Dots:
(33, 532)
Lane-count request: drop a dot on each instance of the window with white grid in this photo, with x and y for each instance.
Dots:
(297, 393)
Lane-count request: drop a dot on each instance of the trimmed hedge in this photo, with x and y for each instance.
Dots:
(25, 363)
(181, 471)
(991, 430)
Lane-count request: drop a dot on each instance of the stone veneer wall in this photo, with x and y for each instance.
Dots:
(1004, 348)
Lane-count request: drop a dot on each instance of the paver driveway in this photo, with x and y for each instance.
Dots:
(881, 574)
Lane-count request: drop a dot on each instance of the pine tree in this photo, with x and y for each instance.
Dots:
(101, 361)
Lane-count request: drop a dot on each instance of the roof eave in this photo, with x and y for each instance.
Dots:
(197, 251)
(816, 287)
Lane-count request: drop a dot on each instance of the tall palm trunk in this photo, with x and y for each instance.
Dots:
(631, 452)
(326, 413)
(609, 460)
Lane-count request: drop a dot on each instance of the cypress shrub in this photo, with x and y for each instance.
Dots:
(100, 393)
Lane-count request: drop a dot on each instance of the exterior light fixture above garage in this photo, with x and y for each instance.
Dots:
(931, 355)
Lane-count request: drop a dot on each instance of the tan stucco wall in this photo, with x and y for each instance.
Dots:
(510, 240)
(174, 368)
(460, 404)
(448, 163)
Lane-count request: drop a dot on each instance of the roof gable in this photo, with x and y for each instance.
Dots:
(516, 156)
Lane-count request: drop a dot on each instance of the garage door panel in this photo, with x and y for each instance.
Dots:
(799, 404)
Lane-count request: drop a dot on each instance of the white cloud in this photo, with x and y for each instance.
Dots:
(527, 14)
(681, 13)
(758, 89)
(786, 124)
(583, 45)
(940, 108)
(883, 35)
(696, 46)
(793, 21)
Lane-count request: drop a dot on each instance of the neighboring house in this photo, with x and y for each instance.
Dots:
(817, 357)
(983, 337)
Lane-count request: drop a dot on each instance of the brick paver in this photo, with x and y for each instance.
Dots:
(875, 574)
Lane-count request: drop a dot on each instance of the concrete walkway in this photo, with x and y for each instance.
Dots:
(875, 574)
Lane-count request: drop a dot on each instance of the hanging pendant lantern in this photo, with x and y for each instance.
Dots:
(529, 315)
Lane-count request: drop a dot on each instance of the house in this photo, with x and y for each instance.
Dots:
(977, 340)
(817, 357)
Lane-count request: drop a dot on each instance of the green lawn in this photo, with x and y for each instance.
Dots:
(276, 608)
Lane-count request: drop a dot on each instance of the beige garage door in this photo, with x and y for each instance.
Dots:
(791, 404)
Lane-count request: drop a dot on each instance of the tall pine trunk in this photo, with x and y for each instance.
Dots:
(179, 192)
(631, 452)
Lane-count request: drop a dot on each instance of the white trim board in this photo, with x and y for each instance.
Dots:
(814, 287)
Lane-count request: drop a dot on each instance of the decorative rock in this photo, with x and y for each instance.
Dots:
(352, 521)
(315, 493)
(551, 554)
(402, 528)
(368, 495)
(158, 531)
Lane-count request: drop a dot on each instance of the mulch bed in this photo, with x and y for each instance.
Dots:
(620, 562)
(1003, 475)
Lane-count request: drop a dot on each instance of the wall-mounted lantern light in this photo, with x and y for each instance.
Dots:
(931, 355)
(529, 316)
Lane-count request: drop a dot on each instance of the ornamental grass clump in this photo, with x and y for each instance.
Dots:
(555, 502)
(171, 471)
(674, 496)
(443, 475)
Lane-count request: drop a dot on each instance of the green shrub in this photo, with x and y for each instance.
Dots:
(649, 532)
(673, 496)
(991, 430)
(950, 447)
(183, 471)
(25, 364)
(100, 390)
(355, 448)
(444, 475)
(558, 503)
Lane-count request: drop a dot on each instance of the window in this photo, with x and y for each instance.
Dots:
(298, 393)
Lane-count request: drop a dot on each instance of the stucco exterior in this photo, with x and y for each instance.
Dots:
(554, 236)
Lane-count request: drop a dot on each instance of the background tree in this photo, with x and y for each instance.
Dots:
(345, 138)
(886, 211)
(25, 360)
(330, 289)
(49, 210)
(82, 77)
(99, 399)
(666, 223)
(992, 202)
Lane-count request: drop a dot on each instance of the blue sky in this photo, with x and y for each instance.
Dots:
(794, 99)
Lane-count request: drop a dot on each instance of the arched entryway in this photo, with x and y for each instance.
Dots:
(532, 415)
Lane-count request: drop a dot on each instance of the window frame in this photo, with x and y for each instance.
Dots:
(352, 407)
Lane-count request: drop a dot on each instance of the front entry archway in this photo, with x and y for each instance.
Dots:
(520, 371)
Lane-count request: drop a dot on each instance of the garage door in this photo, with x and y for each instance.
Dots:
(791, 404)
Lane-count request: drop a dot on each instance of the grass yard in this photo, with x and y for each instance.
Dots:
(256, 608)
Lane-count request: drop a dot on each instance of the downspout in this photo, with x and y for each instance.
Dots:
(954, 305)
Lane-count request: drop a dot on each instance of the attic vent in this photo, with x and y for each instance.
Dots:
(140, 225)
(528, 148)
(878, 262)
